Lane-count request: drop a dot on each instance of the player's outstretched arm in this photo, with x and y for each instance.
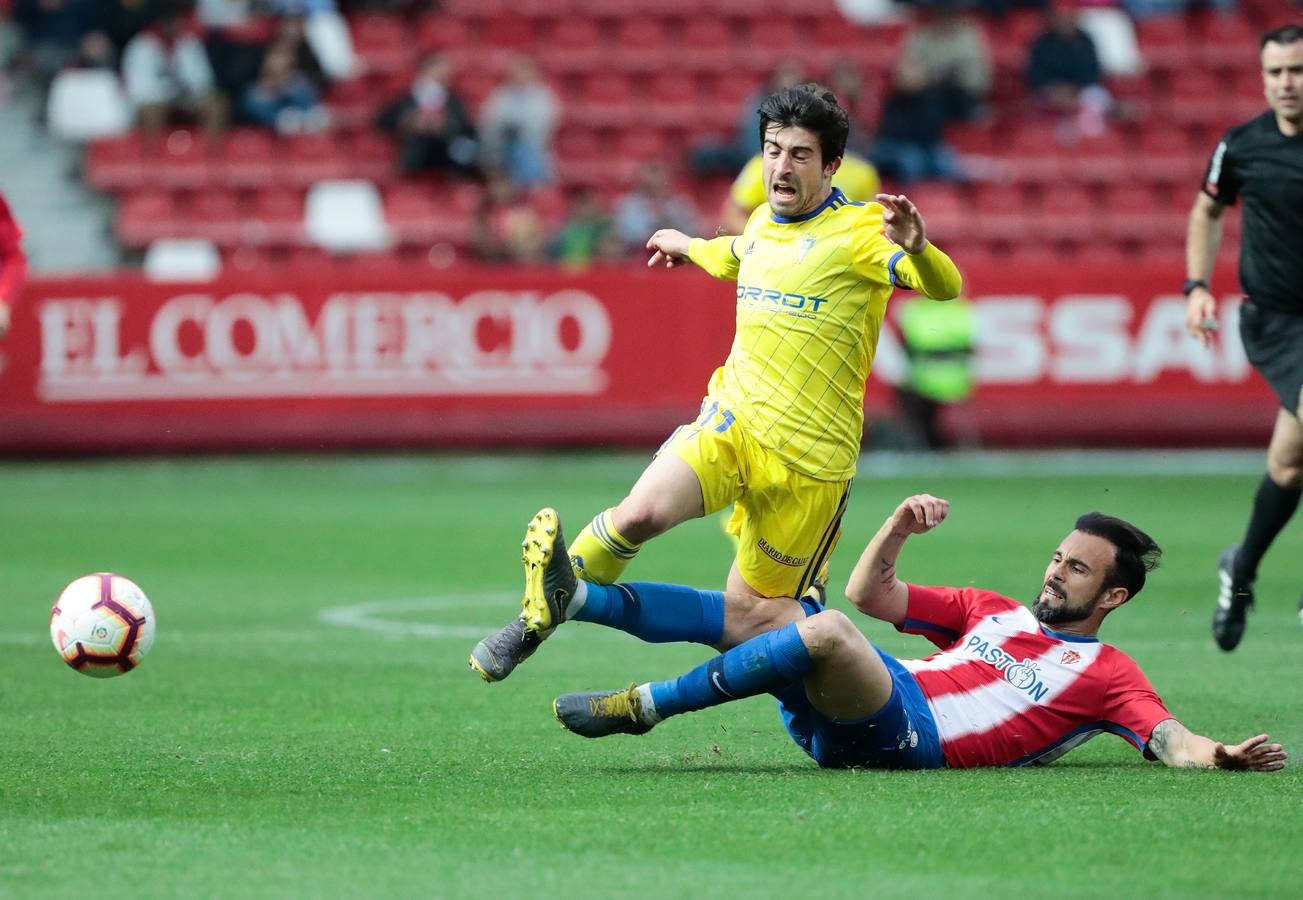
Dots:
(873, 587)
(924, 268)
(669, 247)
(1175, 745)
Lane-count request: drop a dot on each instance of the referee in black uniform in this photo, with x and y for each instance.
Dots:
(1261, 161)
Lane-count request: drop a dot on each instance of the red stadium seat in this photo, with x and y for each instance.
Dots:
(444, 33)
(509, 32)
(179, 161)
(246, 159)
(216, 215)
(1101, 159)
(1164, 42)
(372, 156)
(706, 45)
(412, 214)
(774, 38)
(276, 219)
(1068, 214)
(354, 104)
(1034, 155)
(947, 215)
(312, 158)
(383, 43)
(117, 163)
(147, 216)
(607, 101)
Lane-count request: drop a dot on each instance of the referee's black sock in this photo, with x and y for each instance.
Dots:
(1273, 506)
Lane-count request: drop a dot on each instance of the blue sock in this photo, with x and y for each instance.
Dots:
(657, 613)
(765, 663)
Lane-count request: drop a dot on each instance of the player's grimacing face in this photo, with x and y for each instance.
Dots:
(1074, 579)
(1282, 79)
(796, 180)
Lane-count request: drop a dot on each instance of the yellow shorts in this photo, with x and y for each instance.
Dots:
(787, 523)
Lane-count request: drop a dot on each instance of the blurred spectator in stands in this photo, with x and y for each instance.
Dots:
(431, 124)
(1063, 73)
(95, 52)
(938, 339)
(517, 123)
(862, 104)
(291, 33)
(235, 33)
(54, 30)
(507, 228)
(165, 70)
(284, 97)
(1144, 9)
(127, 18)
(588, 233)
(730, 156)
(13, 264)
(910, 144)
(652, 203)
(952, 50)
(325, 32)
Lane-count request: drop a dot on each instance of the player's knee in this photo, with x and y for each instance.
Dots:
(639, 518)
(829, 633)
(1286, 471)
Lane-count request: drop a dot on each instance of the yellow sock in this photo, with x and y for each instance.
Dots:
(599, 554)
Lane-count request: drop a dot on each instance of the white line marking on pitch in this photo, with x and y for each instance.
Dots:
(376, 616)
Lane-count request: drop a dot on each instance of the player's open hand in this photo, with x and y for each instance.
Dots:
(1254, 755)
(919, 514)
(668, 246)
(1201, 315)
(902, 223)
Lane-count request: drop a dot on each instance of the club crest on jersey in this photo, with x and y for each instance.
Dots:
(807, 244)
(1069, 657)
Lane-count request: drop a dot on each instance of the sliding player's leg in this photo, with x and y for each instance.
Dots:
(837, 665)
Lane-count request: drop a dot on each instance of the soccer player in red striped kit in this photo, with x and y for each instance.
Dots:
(1010, 685)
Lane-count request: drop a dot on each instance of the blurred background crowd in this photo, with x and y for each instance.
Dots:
(264, 133)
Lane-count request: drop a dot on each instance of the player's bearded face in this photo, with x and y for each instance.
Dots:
(1074, 580)
(795, 180)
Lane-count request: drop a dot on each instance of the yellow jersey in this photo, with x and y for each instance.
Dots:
(856, 177)
(811, 295)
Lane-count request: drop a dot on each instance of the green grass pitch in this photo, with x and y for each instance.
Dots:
(306, 725)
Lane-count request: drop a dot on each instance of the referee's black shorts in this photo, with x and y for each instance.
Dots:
(1273, 342)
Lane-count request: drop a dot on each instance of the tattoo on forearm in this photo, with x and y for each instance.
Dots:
(1160, 741)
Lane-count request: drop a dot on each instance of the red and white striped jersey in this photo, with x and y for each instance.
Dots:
(1007, 691)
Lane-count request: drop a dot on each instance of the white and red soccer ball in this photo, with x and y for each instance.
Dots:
(102, 625)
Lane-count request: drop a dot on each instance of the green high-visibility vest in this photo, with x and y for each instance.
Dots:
(938, 338)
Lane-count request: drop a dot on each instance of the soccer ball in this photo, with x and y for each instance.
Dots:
(102, 625)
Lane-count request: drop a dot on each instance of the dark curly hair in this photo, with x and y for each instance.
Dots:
(811, 106)
(1137, 553)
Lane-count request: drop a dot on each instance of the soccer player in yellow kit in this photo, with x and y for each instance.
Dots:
(779, 430)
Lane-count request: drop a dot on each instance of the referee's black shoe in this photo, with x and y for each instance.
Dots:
(1234, 600)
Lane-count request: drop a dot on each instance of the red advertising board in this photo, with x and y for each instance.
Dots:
(503, 357)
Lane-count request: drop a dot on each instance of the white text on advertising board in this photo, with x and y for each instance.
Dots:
(201, 346)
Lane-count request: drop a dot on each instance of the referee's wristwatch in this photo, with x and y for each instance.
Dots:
(1191, 284)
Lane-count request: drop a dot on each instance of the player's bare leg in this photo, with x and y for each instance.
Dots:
(747, 612)
(1274, 504)
(665, 494)
(849, 681)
